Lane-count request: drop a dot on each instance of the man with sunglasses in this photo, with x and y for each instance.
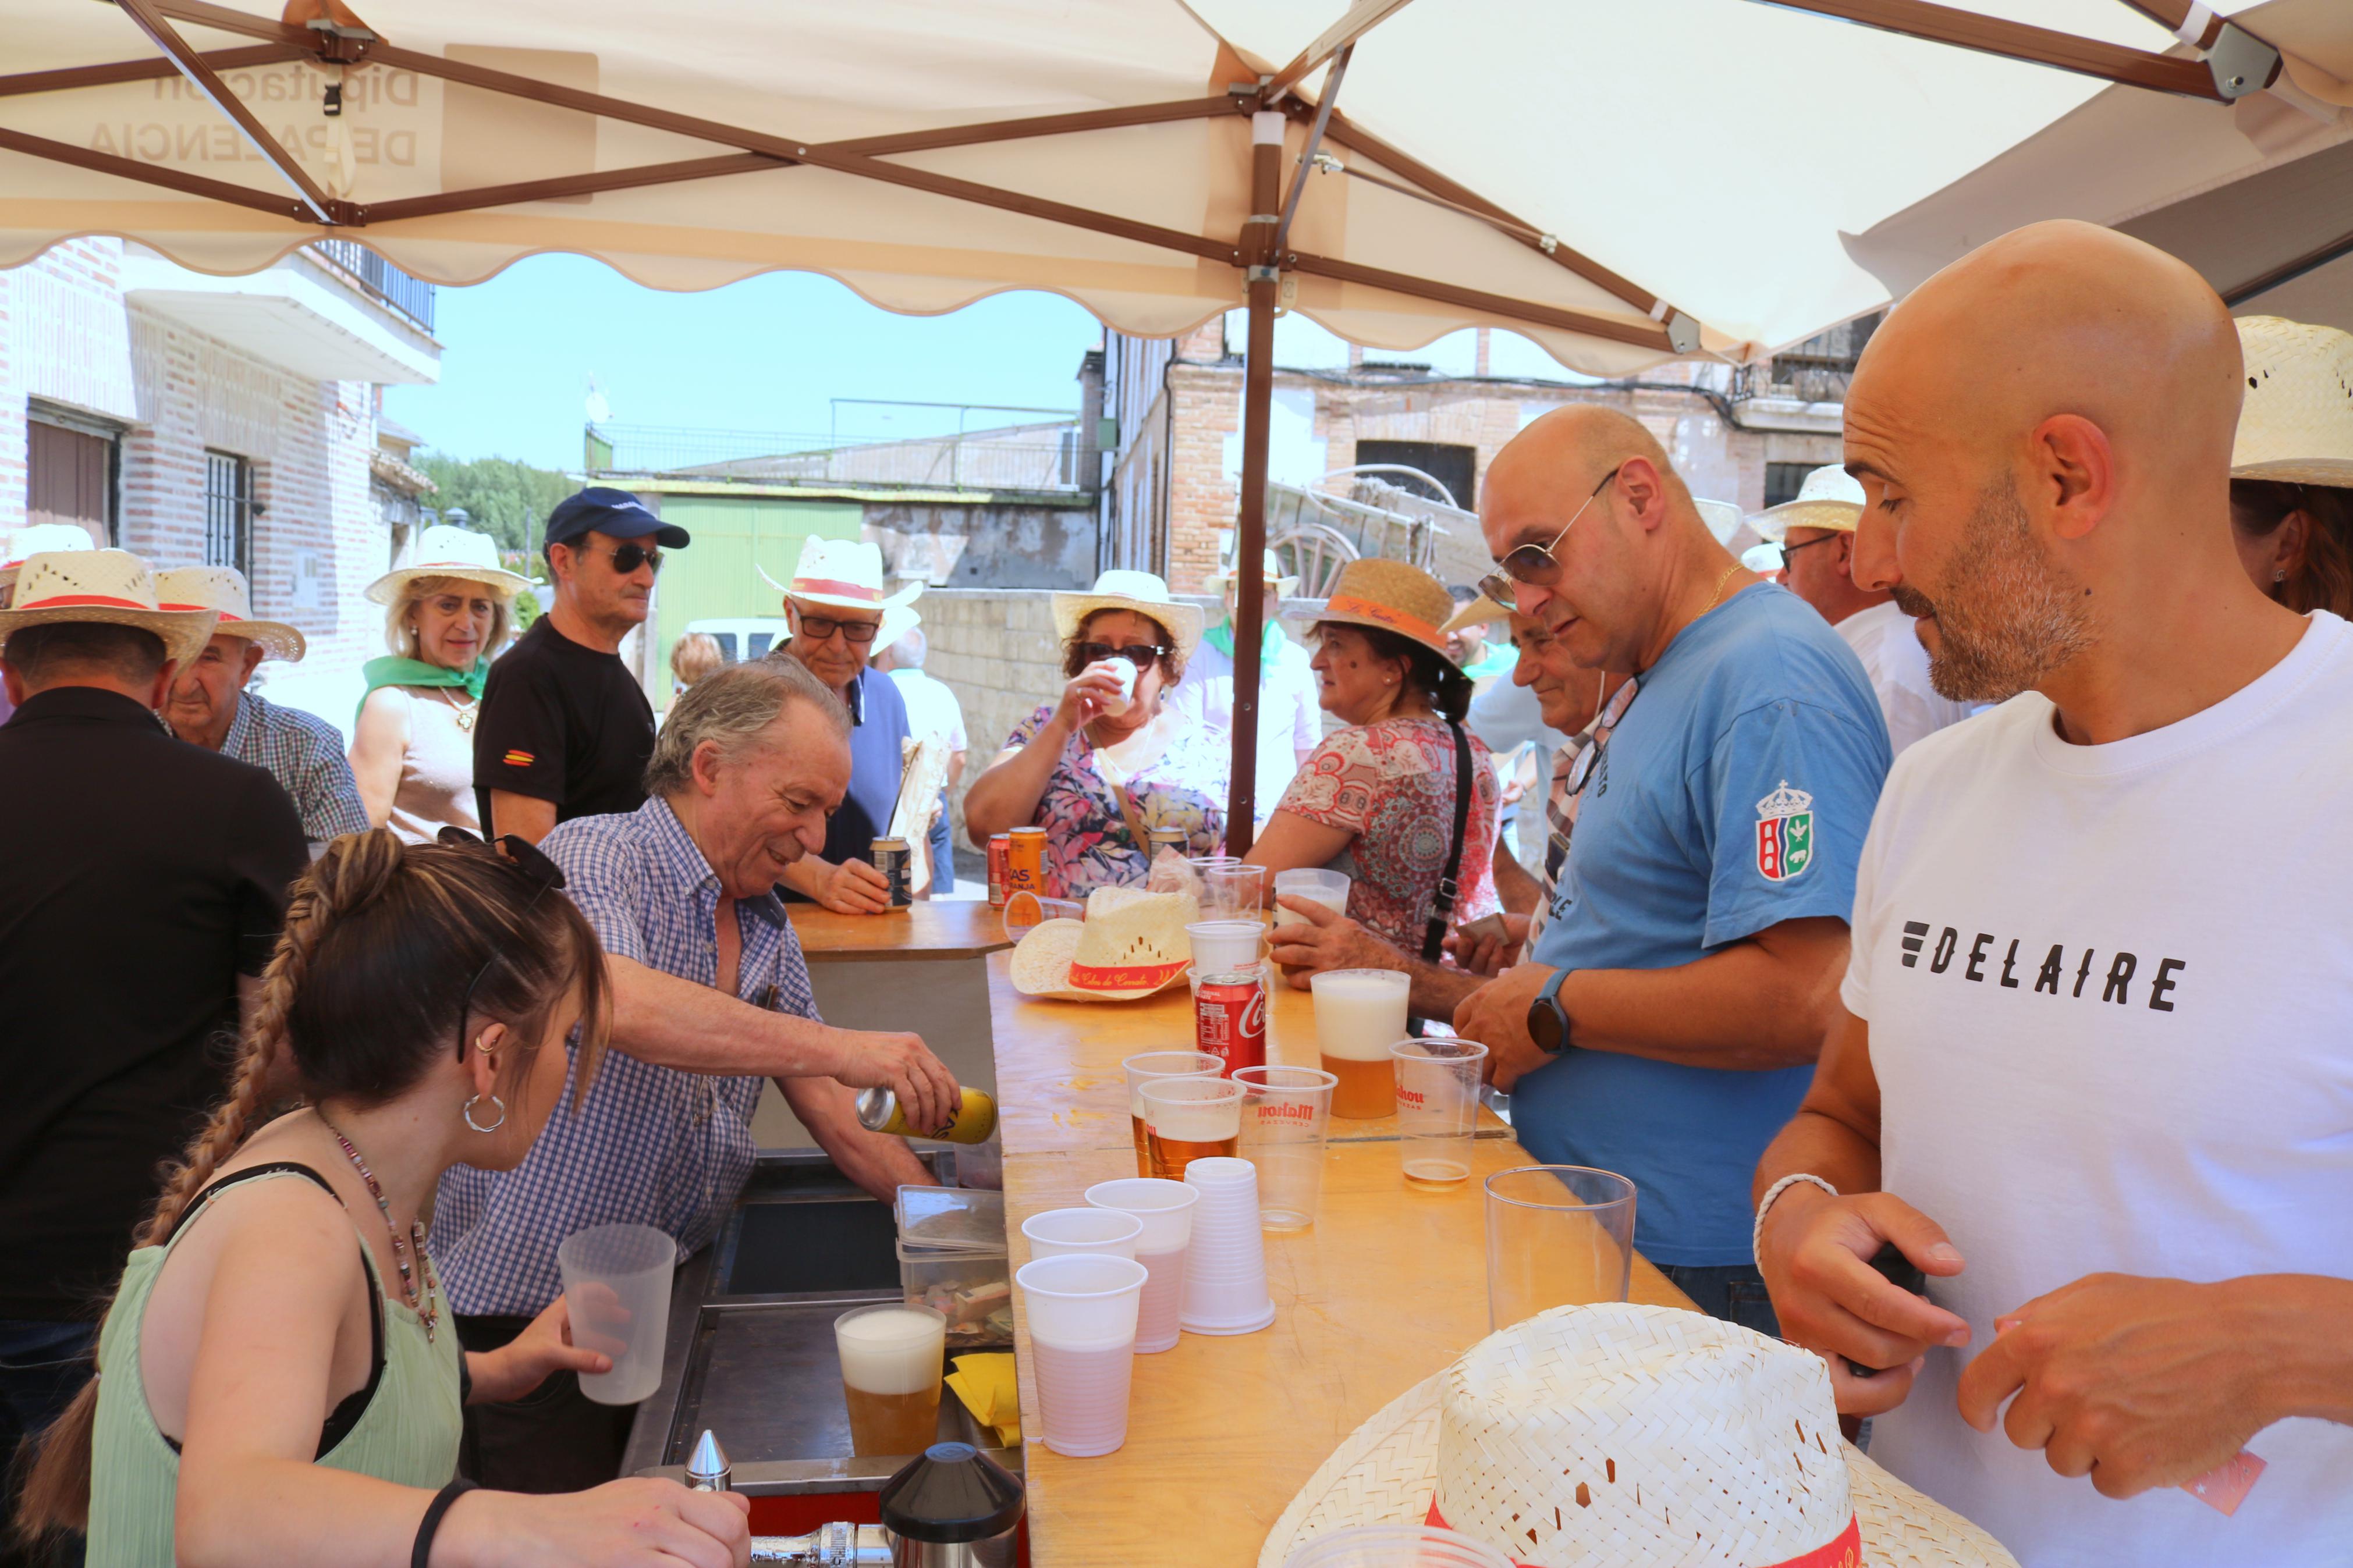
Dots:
(564, 729)
(1681, 984)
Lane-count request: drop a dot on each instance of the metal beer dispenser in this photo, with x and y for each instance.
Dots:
(951, 1506)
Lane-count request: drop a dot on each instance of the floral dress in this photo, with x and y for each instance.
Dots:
(1088, 845)
(1391, 785)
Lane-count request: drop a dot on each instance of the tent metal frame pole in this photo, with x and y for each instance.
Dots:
(2021, 41)
(1250, 531)
(121, 71)
(208, 81)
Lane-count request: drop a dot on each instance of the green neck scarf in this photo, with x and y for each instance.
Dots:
(391, 670)
(1222, 637)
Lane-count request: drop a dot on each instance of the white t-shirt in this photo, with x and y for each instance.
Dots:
(931, 707)
(2110, 992)
(1888, 643)
(1290, 716)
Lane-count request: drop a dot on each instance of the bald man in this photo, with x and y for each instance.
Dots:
(1667, 1024)
(2093, 1068)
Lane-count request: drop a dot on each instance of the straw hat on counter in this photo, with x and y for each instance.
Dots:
(1132, 943)
(112, 587)
(1637, 1437)
(1393, 596)
(222, 589)
(1830, 498)
(2296, 423)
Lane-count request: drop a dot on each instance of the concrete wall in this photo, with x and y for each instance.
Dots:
(1007, 546)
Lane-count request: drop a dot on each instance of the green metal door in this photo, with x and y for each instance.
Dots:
(714, 576)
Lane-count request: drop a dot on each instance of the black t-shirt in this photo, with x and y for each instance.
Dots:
(561, 723)
(139, 877)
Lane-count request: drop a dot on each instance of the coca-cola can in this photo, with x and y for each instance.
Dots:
(1229, 1018)
(997, 843)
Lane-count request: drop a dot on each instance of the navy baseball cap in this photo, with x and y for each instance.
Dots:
(606, 510)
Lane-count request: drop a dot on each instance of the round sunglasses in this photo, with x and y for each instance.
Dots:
(1534, 565)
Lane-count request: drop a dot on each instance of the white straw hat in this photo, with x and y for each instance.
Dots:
(445, 550)
(36, 539)
(110, 587)
(1132, 943)
(1138, 591)
(1215, 585)
(223, 589)
(2296, 425)
(1723, 518)
(1830, 498)
(847, 572)
(1636, 1436)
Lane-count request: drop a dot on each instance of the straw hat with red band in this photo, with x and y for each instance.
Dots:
(1639, 1437)
(109, 588)
(223, 589)
(36, 539)
(1132, 943)
(1393, 596)
(848, 573)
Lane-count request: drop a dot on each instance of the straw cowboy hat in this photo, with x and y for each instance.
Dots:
(1637, 1437)
(112, 587)
(223, 589)
(1138, 591)
(848, 573)
(1216, 583)
(35, 540)
(1479, 612)
(1831, 498)
(445, 550)
(2296, 425)
(1395, 598)
(1723, 518)
(1132, 943)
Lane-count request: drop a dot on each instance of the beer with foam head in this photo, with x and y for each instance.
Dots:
(1359, 1015)
(892, 1360)
(1188, 1120)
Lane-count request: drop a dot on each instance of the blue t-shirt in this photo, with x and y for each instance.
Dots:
(1732, 796)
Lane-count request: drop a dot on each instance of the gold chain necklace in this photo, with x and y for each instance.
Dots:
(1720, 582)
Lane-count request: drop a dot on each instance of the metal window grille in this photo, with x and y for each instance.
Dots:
(228, 511)
(1782, 480)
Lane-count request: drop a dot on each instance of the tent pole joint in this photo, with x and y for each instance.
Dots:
(2242, 63)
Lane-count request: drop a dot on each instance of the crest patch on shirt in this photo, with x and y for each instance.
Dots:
(1785, 834)
(520, 759)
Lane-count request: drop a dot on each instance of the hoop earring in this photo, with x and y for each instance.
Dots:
(467, 1112)
(2279, 573)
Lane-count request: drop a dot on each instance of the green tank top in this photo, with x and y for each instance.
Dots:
(408, 1432)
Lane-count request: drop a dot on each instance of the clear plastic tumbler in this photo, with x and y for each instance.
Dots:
(1557, 1236)
(1167, 1210)
(1359, 1015)
(893, 1359)
(616, 1281)
(1232, 891)
(1189, 1119)
(1082, 1316)
(1142, 1068)
(1286, 1115)
(1436, 1108)
(1105, 1232)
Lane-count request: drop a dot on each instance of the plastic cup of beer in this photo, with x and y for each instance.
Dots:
(1436, 1108)
(1396, 1546)
(1557, 1236)
(1233, 891)
(617, 1281)
(1082, 1311)
(1142, 1068)
(1026, 911)
(1166, 1209)
(1359, 1015)
(1189, 1119)
(893, 1357)
(1106, 1233)
(1286, 1115)
(1222, 946)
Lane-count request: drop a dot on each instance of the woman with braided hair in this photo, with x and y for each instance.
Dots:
(270, 1392)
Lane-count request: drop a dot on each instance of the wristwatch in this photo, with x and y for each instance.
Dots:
(1548, 1019)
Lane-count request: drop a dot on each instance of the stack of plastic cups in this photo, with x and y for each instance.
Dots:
(1167, 1210)
(1225, 1269)
(1082, 1315)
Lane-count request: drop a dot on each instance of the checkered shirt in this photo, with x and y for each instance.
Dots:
(305, 754)
(648, 1145)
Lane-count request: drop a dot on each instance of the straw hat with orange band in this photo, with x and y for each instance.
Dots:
(1393, 597)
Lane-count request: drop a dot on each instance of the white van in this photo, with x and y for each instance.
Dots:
(744, 638)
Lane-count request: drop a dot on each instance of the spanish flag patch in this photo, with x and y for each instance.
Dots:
(520, 759)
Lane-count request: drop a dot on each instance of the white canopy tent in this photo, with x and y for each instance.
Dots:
(1621, 183)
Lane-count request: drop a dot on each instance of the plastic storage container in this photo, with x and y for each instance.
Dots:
(952, 1259)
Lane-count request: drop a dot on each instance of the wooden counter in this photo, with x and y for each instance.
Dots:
(931, 928)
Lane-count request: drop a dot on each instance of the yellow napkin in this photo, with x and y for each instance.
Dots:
(986, 1384)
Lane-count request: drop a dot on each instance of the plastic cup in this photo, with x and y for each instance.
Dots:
(1222, 946)
(1167, 1210)
(1142, 1068)
(1329, 888)
(1557, 1236)
(1233, 891)
(893, 1358)
(1225, 1268)
(1359, 1015)
(1286, 1114)
(1105, 1233)
(1124, 673)
(1026, 911)
(1396, 1546)
(1436, 1108)
(1082, 1311)
(617, 1283)
(1189, 1119)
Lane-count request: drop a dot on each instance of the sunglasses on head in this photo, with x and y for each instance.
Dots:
(819, 628)
(1143, 654)
(527, 858)
(1534, 565)
(628, 558)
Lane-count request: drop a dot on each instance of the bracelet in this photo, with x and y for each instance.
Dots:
(431, 1523)
(1757, 1236)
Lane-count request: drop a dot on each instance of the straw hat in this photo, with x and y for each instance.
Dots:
(1831, 498)
(2296, 425)
(1723, 518)
(848, 573)
(1639, 1437)
(112, 587)
(37, 539)
(445, 550)
(1480, 611)
(223, 589)
(1132, 943)
(1395, 598)
(1138, 591)
(1215, 585)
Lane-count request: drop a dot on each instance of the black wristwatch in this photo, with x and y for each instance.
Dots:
(1548, 1019)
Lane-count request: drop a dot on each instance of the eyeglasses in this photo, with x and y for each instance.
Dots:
(1789, 550)
(820, 629)
(1143, 654)
(628, 558)
(525, 857)
(1534, 565)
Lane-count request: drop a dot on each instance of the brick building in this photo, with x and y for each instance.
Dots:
(224, 420)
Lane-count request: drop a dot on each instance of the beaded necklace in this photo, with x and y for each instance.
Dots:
(424, 1305)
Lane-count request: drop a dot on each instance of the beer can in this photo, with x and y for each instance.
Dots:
(1229, 1018)
(891, 860)
(1025, 861)
(997, 866)
(1174, 838)
(975, 1119)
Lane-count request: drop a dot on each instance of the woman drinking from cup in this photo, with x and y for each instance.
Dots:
(281, 1380)
(451, 609)
(1109, 761)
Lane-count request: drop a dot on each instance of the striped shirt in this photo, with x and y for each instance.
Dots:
(648, 1146)
(305, 754)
